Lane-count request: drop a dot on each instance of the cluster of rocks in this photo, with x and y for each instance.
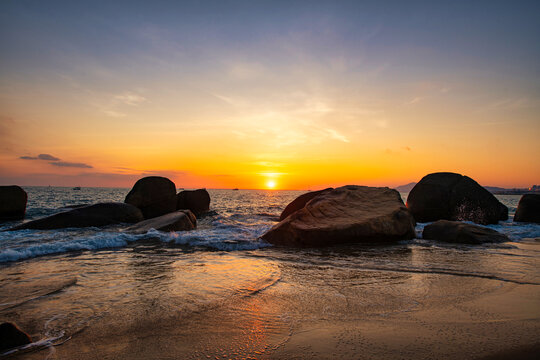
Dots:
(152, 203)
(368, 214)
(319, 218)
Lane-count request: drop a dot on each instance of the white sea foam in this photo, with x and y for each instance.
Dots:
(19, 245)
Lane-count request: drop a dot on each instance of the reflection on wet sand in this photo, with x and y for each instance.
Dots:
(160, 302)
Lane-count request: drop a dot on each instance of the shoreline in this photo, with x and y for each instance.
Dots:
(334, 314)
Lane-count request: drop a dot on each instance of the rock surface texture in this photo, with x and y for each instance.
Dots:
(198, 201)
(180, 220)
(450, 196)
(459, 232)
(92, 215)
(300, 202)
(528, 209)
(154, 195)
(12, 202)
(348, 214)
(11, 336)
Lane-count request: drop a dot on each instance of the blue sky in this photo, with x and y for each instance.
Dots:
(279, 77)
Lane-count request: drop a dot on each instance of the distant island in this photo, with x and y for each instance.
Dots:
(492, 189)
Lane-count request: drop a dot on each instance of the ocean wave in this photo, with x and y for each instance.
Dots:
(26, 244)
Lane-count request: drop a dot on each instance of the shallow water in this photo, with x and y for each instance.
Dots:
(85, 282)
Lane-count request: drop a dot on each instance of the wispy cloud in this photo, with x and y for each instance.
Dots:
(130, 98)
(71, 164)
(334, 134)
(415, 100)
(46, 157)
(114, 114)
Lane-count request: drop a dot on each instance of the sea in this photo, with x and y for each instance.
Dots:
(60, 284)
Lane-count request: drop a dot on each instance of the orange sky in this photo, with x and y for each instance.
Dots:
(307, 99)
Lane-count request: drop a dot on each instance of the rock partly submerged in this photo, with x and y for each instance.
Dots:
(181, 220)
(450, 196)
(12, 202)
(11, 336)
(348, 214)
(528, 209)
(101, 214)
(459, 232)
(300, 202)
(198, 201)
(154, 195)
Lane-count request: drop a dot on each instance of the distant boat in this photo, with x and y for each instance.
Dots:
(235, 189)
(77, 188)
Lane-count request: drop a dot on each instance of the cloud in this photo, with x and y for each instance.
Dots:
(71, 164)
(114, 114)
(46, 157)
(336, 135)
(130, 98)
(416, 100)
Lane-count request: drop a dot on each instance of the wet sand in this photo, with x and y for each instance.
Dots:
(327, 312)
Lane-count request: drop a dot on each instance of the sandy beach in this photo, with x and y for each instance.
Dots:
(327, 307)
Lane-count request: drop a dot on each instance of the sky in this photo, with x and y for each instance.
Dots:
(269, 94)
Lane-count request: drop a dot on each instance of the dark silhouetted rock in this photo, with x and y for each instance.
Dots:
(11, 336)
(12, 202)
(348, 214)
(300, 202)
(92, 215)
(459, 232)
(198, 201)
(154, 195)
(180, 220)
(528, 209)
(451, 196)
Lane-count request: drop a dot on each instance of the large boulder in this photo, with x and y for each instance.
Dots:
(12, 202)
(459, 232)
(528, 209)
(348, 214)
(154, 195)
(180, 220)
(11, 336)
(198, 201)
(451, 196)
(92, 215)
(300, 202)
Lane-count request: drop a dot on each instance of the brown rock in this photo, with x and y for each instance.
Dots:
(180, 220)
(154, 195)
(528, 209)
(198, 201)
(459, 232)
(92, 215)
(451, 196)
(12, 202)
(347, 214)
(300, 202)
(11, 336)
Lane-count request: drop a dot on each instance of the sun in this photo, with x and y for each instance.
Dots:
(270, 184)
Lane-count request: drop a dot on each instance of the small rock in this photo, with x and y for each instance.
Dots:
(459, 232)
(180, 220)
(11, 336)
(198, 201)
